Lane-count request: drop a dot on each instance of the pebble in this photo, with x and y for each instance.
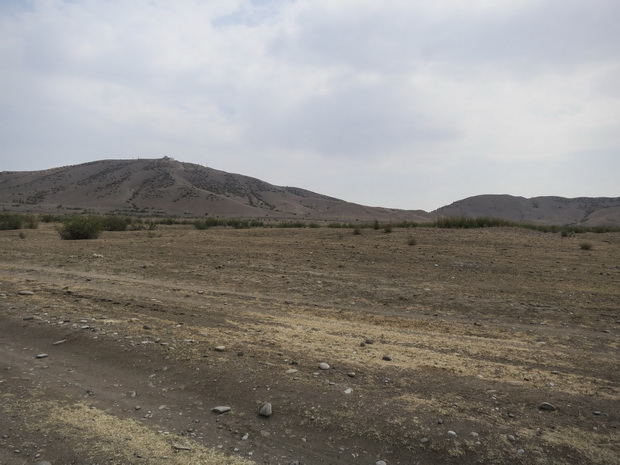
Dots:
(596, 412)
(180, 447)
(473, 434)
(547, 406)
(451, 433)
(381, 462)
(25, 293)
(44, 462)
(348, 391)
(511, 438)
(424, 440)
(351, 374)
(265, 410)
(220, 348)
(27, 317)
(324, 366)
(387, 358)
(59, 342)
(291, 371)
(221, 409)
(369, 341)
(41, 355)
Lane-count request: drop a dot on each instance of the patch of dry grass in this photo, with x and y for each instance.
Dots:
(96, 434)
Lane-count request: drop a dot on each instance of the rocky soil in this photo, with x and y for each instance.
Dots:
(309, 346)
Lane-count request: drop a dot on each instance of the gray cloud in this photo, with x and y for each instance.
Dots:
(418, 100)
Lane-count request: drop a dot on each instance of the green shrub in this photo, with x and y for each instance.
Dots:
(18, 221)
(81, 227)
(387, 228)
(115, 222)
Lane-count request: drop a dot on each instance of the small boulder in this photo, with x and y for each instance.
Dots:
(265, 410)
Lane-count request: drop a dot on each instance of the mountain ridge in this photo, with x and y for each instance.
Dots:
(165, 186)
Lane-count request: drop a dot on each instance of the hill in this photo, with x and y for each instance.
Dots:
(586, 211)
(169, 187)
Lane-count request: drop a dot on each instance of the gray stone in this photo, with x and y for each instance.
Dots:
(547, 406)
(25, 293)
(381, 462)
(511, 438)
(451, 433)
(180, 447)
(221, 409)
(265, 410)
(387, 358)
(220, 348)
(324, 366)
(41, 355)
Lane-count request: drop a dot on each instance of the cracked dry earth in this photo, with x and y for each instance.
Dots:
(439, 352)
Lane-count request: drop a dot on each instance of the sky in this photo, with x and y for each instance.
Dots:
(410, 104)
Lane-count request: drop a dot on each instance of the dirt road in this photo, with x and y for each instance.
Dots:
(440, 350)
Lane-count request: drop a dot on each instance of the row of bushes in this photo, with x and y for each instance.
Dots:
(91, 226)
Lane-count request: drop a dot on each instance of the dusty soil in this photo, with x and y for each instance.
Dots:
(479, 328)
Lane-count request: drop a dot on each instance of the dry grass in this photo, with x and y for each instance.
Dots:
(96, 434)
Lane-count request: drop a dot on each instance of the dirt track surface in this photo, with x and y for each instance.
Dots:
(480, 327)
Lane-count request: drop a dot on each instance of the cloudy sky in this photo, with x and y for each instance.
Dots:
(396, 103)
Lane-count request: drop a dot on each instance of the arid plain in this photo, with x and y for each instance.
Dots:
(443, 345)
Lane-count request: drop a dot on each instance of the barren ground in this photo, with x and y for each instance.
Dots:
(482, 327)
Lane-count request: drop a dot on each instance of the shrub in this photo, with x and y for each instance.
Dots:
(411, 240)
(115, 222)
(18, 221)
(585, 246)
(81, 227)
(387, 229)
(357, 231)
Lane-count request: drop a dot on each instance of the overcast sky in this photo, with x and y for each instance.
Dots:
(396, 103)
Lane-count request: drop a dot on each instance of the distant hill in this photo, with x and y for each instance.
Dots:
(169, 187)
(586, 211)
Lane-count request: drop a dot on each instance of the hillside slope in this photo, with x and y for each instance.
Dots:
(166, 186)
(586, 211)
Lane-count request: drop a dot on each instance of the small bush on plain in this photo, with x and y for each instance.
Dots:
(81, 227)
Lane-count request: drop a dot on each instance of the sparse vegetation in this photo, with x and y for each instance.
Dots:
(585, 246)
(411, 240)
